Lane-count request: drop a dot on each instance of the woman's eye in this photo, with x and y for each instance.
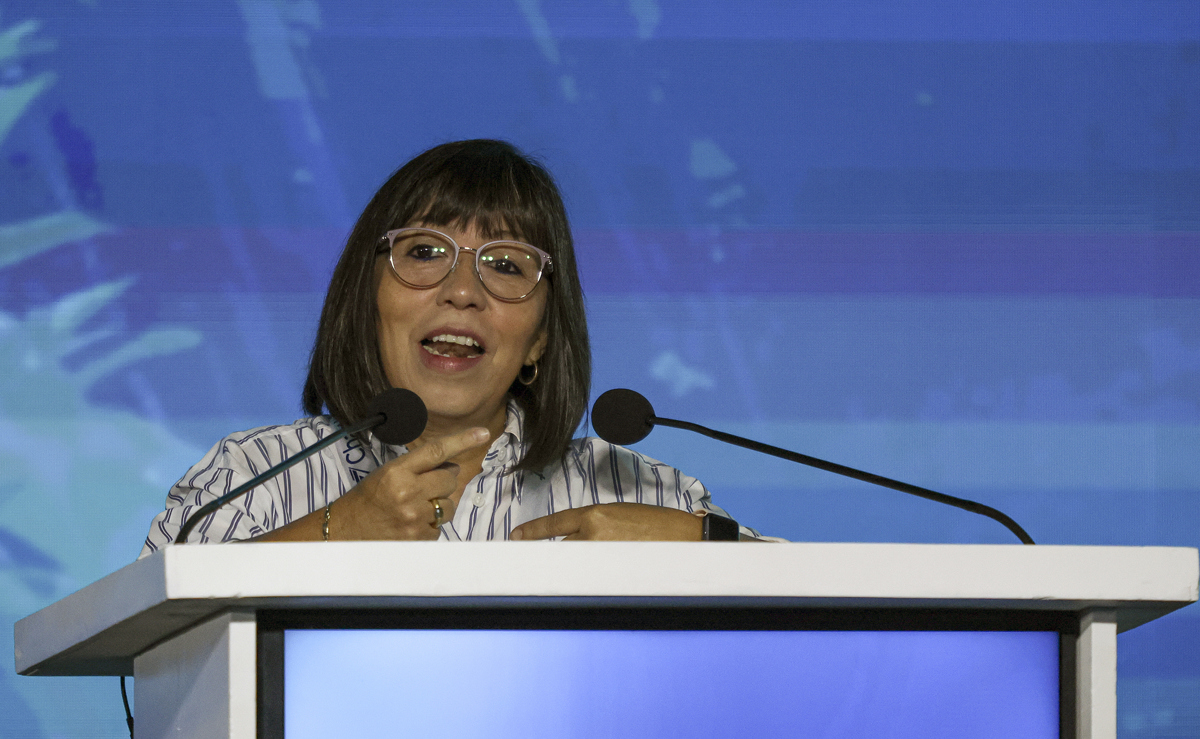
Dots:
(504, 266)
(426, 252)
(509, 262)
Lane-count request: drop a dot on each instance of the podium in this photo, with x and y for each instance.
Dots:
(201, 627)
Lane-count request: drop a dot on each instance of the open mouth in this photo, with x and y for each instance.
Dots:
(451, 345)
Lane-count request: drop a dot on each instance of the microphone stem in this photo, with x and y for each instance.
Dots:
(887, 482)
(207, 508)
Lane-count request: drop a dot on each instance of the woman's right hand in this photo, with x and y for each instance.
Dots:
(395, 501)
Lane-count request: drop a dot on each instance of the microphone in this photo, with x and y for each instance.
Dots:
(624, 416)
(398, 416)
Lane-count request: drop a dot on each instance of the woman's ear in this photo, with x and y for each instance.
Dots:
(538, 347)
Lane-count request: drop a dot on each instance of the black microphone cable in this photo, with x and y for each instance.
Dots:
(128, 713)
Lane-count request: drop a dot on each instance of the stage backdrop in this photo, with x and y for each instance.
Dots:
(953, 243)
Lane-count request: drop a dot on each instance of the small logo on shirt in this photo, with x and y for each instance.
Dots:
(354, 452)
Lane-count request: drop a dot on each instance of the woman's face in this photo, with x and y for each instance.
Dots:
(454, 344)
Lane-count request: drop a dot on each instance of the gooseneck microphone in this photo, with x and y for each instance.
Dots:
(398, 416)
(624, 417)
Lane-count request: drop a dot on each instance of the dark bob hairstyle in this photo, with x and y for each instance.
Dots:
(494, 187)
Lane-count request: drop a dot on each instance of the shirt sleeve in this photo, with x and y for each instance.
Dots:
(703, 499)
(634, 477)
(230, 463)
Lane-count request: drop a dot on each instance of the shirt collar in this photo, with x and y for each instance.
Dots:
(508, 449)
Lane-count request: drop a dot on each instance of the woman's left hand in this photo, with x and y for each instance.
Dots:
(614, 522)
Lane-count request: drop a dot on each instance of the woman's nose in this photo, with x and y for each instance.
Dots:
(462, 287)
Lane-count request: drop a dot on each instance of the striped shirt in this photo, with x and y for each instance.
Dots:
(493, 503)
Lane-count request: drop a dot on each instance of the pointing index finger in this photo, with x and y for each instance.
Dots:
(438, 450)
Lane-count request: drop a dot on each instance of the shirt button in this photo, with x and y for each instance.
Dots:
(479, 500)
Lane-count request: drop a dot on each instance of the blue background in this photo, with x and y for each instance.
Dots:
(955, 244)
(535, 684)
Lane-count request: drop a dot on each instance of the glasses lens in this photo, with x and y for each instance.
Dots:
(421, 258)
(509, 269)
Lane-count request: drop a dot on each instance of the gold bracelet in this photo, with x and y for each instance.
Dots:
(325, 525)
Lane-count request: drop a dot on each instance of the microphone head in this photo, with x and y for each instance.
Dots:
(622, 416)
(404, 416)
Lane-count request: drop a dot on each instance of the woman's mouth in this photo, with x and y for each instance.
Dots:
(452, 346)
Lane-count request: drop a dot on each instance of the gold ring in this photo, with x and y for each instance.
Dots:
(438, 513)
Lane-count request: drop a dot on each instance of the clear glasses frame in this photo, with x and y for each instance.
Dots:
(545, 266)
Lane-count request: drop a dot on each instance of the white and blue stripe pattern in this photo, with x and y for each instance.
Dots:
(493, 503)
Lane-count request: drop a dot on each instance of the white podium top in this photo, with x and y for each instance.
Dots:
(99, 629)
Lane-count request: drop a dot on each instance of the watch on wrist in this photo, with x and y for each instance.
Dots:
(720, 528)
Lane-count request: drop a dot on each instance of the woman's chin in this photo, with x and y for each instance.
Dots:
(462, 408)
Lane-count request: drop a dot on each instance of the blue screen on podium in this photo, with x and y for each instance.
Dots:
(525, 683)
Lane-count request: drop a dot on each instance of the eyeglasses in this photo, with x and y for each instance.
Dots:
(422, 257)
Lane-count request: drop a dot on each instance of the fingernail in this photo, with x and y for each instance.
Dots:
(480, 434)
(514, 535)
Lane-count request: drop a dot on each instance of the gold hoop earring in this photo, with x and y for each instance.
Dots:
(530, 380)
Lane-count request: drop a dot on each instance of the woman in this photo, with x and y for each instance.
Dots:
(459, 283)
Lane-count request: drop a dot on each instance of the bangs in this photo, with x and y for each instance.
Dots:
(498, 195)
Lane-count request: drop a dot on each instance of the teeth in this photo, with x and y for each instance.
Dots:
(464, 340)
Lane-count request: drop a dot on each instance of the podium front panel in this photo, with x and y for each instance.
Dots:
(663, 672)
